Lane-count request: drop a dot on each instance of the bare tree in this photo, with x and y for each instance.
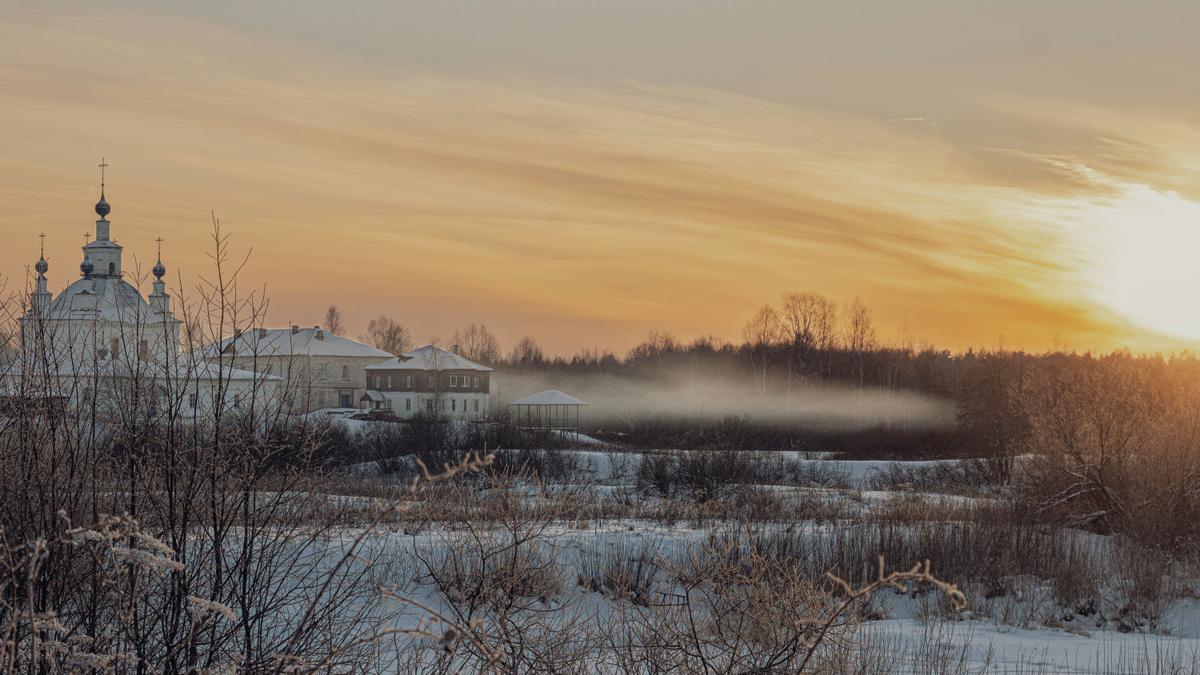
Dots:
(527, 352)
(809, 321)
(384, 332)
(478, 343)
(860, 335)
(333, 320)
(762, 332)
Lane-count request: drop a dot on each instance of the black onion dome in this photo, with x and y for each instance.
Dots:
(86, 267)
(102, 207)
(159, 270)
(42, 266)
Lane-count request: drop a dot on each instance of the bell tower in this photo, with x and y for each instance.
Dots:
(103, 254)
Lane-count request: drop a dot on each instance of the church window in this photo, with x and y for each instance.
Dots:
(112, 268)
(345, 372)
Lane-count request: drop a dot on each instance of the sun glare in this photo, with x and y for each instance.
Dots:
(1142, 247)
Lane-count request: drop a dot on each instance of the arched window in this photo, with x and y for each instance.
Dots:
(112, 268)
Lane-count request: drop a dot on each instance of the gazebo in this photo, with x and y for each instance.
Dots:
(551, 410)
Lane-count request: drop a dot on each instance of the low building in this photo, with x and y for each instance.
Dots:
(320, 369)
(431, 381)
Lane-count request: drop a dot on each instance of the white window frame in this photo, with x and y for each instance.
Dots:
(453, 381)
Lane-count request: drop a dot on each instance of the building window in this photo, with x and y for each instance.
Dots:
(476, 381)
(237, 400)
(321, 398)
(112, 268)
(376, 381)
(453, 380)
(321, 372)
(408, 382)
(408, 404)
(192, 400)
(429, 404)
(115, 343)
(476, 405)
(431, 380)
(453, 405)
(345, 372)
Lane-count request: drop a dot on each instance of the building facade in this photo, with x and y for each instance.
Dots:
(320, 370)
(429, 381)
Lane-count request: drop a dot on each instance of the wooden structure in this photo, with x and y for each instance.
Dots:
(549, 410)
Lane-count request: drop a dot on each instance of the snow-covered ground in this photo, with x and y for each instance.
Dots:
(914, 632)
(1022, 629)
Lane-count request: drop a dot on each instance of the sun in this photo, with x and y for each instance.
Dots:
(1142, 257)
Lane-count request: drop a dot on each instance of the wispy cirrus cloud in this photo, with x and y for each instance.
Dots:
(585, 212)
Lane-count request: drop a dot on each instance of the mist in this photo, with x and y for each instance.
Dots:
(691, 393)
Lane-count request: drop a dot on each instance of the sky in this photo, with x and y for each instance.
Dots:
(981, 174)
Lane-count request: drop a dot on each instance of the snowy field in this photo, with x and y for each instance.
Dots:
(1017, 622)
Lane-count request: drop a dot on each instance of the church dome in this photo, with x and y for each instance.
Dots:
(102, 207)
(42, 266)
(159, 270)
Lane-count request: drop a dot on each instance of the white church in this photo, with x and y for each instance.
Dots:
(100, 345)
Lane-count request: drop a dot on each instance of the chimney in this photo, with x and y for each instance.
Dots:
(262, 333)
(295, 329)
(454, 349)
(319, 334)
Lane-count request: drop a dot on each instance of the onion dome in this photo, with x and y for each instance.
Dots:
(159, 270)
(42, 266)
(86, 267)
(102, 207)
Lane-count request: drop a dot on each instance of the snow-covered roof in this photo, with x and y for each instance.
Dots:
(372, 395)
(110, 298)
(268, 342)
(549, 397)
(429, 358)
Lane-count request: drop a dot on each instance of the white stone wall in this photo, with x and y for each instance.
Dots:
(314, 382)
(468, 406)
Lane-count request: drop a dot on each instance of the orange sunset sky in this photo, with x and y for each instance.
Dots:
(979, 173)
